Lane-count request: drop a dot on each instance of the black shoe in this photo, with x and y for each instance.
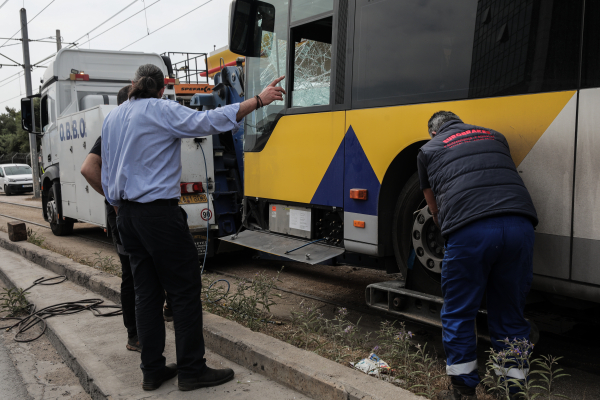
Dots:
(454, 395)
(457, 391)
(169, 372)
(210, 377)
(167, 314)
(133, 344)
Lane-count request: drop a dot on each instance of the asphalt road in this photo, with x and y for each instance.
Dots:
(11, 383)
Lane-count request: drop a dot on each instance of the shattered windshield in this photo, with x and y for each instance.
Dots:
(312, 72)
(263, 70)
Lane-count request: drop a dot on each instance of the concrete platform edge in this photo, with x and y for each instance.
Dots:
(299, 369)
(80, 371)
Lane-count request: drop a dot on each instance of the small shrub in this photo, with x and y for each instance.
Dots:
(106, 264)
(33, 237)
(14, 301)
(518, 355)
(252, 300)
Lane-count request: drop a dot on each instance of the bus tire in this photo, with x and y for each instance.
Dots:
(417, 278)
(59, 229)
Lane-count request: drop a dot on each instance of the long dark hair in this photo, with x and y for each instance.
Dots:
(148, 81)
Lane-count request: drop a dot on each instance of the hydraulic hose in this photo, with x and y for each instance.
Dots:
(67, 308)
(207, 232)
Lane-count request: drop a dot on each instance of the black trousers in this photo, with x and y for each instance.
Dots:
(127, 286)
(164, 258)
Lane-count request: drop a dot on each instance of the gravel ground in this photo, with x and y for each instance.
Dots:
(575, 339)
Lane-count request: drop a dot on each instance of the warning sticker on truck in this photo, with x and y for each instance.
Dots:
(300, 220)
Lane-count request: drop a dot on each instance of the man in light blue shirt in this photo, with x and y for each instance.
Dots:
(141, 171)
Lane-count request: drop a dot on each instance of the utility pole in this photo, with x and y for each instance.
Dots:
(58, 46)
(27, 72)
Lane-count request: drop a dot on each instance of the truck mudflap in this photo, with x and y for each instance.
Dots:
(285, 246)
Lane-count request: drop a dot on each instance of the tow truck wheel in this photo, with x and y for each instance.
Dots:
(64, 229)
(418, 276)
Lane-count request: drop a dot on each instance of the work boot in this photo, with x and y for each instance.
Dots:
(210, 377)
(167, 314)
(133, 344)
(169, 372)
(454, 394)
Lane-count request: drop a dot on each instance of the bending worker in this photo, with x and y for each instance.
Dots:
(486, 215)
(141, 170)
(91, 171)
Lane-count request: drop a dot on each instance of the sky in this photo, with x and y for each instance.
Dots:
(202, 26)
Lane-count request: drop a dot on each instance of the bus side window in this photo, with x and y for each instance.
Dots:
(312, 63)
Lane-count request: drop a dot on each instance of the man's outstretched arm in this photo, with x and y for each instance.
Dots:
(269, 94)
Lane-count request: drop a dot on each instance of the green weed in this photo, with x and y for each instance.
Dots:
(106, 264)
(33, 237)
(14, 301)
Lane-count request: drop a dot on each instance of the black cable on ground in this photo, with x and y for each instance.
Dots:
(66, 308)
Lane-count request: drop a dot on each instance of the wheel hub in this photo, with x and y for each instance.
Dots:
(52, 212)
(428, 241)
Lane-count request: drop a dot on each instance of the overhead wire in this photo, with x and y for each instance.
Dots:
(167, 24)
(128, 18)
(28, 22)
(47, 59)
(8, 77)
(114, 15)
(12, 98)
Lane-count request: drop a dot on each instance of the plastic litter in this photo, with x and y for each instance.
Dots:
(372, 365)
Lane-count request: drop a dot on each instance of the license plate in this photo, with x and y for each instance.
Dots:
(192, 198)
(27, 186)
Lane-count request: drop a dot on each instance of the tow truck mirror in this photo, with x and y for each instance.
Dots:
(27, 114)
(247, 21)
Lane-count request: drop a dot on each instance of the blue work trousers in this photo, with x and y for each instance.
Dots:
(493, 255)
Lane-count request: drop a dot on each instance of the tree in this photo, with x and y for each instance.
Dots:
(13, 138)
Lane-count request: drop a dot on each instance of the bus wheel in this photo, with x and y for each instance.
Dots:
(418, 277)
(64, 229)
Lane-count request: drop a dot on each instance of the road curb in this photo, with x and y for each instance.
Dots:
(299, 369)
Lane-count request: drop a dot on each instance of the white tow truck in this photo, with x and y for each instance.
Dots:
(78, 90)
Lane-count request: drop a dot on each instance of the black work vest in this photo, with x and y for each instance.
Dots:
(473, 176)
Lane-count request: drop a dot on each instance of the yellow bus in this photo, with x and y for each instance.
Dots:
(334, 164)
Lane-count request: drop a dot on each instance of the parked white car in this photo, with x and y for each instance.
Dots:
(16, 178)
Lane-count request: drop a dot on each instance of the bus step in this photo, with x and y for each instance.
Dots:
(394, 298)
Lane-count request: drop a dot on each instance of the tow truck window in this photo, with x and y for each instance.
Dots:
(44, 113)
(312, 63)
(263, 70)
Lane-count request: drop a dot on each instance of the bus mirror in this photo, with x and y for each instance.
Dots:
(27, 114)
(247, 21)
